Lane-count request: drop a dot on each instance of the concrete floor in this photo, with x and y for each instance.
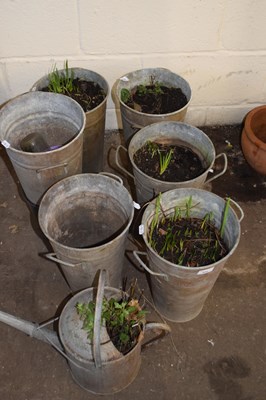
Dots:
(220, 355)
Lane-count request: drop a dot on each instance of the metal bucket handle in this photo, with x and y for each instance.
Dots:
(53, 257)
(117, 161)
(110, 175)
(238, 208)
(224, 168)
(142, 253)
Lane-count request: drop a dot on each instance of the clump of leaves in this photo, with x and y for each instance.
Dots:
(124, 320)
(186, 240)
(61, 82)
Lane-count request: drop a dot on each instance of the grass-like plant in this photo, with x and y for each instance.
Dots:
(176, 235)
(61, 82)
(123, 319)
(165, 160)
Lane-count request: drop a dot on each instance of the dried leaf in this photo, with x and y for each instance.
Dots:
(13, 229)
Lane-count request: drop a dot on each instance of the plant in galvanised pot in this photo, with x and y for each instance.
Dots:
(189, 234)
(99, 363)
(90, 90)
(151, 95)
(253, 139)
(168, 155)
(102, 332)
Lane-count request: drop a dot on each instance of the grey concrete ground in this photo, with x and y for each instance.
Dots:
(220, 355)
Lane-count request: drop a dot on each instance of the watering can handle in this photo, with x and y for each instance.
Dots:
(224, 168)
(97, 320)
(137, 254)
(112, 176)
(117, 161)
(158, 326)
(239, 209)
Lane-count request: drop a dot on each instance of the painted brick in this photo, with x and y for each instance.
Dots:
(35, 28)
(149, 27)
(244, 25)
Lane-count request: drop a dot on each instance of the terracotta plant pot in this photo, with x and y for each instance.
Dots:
(253, 139)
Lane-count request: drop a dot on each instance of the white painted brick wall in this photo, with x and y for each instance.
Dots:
(219, 46)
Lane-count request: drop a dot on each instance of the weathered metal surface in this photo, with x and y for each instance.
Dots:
(180, 292)
(61, 121)
(173, 133)
(86, 218)
(93, 138)
(133, 120)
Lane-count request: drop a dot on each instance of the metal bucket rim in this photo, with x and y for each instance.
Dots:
(76, 69)
(155, 115)
(140, 132)
(84, 176)
(51, 95)
(182, 267)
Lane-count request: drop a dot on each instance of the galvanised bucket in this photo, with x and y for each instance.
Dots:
(134, 120)
(60, 120)
(179, 292)
(95, 120)
(171, 133)
(86, 218)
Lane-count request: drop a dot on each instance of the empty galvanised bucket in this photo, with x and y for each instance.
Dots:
(95, 120)
(86, 218)
(179, 292)
(134, 120)
(60, 120)
(171, 133)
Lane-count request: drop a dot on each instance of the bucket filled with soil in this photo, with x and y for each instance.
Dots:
(151, 95)
(169, 155)
(86, 218)
(91, 91)
(189, 235)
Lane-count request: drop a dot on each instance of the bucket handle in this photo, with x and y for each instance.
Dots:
(39, 170)
(53, 257)
(112, 176)
(142, 253)
(117, 161)
(238, 208)
(224, 168)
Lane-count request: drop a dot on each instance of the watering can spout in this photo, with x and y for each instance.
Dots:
(31, 329)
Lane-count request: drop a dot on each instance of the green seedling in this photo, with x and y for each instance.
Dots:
(125, 95)
(154, 88)
(152, 148)
(165, 160)
(188, 206)
(61, 82)
(225, 216)
(155, 220)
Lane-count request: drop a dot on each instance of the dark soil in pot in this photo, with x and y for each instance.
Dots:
(87, 93)
(155, 98)
(191, 242)
(184, 163)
